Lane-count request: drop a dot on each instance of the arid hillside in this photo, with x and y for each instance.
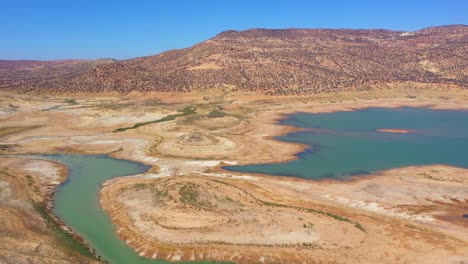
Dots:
(284, 61)
(14, 73)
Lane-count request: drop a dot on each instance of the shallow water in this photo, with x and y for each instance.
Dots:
(77, 204)
(347, 143)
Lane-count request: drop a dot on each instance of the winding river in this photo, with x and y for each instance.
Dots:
(77, 204)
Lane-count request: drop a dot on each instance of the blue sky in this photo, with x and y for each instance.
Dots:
(88, 29)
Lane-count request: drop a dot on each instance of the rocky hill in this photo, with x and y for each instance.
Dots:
(282, 61)
(16, 73)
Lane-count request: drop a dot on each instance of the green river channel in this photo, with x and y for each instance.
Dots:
(77, 204)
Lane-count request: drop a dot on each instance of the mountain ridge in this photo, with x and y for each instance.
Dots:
(283, 61)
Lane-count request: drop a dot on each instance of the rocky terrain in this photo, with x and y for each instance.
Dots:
(274, 61)
(14, 73)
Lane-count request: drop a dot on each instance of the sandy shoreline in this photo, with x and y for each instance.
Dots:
(49, 200)
(43, 176)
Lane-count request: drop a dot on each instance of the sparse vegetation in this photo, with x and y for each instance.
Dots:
(159, 195)
(188, 194)
(5, 131)
(334, 216)
(315, 211)
(190, 119)
(395, 60)
(30, 180)
(8, 147)
(67, 242)
(140, 186)
(214, 113)
(71, 101)
(184, 112)
(360, 227)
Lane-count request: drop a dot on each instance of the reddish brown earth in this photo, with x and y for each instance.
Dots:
(283, 61)
(14, 73)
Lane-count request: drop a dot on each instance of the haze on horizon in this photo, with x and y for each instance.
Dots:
(53, 29)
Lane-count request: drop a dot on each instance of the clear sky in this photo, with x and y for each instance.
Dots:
(88, 29)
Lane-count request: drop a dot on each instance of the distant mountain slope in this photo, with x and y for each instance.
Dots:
(286, 61)
(14, 73)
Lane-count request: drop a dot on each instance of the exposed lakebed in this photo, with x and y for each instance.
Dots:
(341, 144)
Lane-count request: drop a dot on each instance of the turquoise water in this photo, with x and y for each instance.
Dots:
(347, 143)
(77, 204)
(341, 144)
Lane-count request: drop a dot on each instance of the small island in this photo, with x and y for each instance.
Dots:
(395, 130)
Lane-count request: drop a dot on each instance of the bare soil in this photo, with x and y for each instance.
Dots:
(187, 208)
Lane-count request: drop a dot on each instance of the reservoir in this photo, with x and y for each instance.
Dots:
(340, 144)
